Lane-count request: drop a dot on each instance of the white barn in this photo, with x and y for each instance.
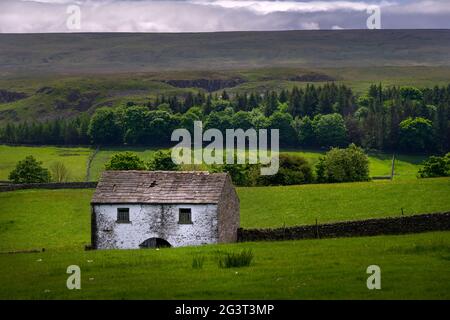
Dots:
(139, 209)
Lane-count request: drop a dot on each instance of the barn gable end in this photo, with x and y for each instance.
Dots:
(228, 213)
(132, 209)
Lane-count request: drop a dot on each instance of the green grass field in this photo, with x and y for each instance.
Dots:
(406, 166)
(50, 219)
(294, 205)
(380, 164)
(54, 219)
(75, 159)
(412, 267)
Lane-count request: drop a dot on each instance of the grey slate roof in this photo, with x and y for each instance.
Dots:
(168, 187)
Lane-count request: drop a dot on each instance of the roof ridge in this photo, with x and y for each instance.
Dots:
(138, 186)
(168, 171)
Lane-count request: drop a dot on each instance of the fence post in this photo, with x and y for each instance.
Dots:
(89, 163)
(393, 166)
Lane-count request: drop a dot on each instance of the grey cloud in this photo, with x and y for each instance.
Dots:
(216, 15)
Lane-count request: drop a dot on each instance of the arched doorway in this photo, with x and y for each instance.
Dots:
(155, 243)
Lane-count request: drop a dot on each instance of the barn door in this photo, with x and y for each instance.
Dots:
(155, 243)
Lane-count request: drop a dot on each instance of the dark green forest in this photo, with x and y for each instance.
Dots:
(384, 118)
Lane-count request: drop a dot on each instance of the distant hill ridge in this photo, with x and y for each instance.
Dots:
(143, 52)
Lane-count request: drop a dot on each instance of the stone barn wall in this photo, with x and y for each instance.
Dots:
(371, 227)
(228, 213)
(5, 187)
(153, 221)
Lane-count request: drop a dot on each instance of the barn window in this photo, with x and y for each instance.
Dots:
(185, 216)
(123, 215)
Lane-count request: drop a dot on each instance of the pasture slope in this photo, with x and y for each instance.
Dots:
(59, 221)
(76, 160)
(413, 267)
(65, 96)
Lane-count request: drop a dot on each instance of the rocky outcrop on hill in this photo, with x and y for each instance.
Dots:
(9, 114)
(76, 100)
(45, 90)
(206, 84)
(10, 96)
(312, 77)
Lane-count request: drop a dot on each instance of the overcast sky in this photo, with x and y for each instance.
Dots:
(218, 15)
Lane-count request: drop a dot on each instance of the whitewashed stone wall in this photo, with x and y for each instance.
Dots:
(154, 221)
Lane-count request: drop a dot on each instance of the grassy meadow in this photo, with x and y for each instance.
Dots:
(51, 219)
(295, 205)
(412, 267)
(60, 219)
(76, 159)
(380, 164)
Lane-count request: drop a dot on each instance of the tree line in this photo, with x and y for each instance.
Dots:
(53, 132)
(384, 118)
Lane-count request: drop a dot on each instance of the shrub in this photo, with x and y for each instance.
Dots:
(246, 175)
(241, 174)
(197, 261)
(236, 260)
(162, 160)
(29, 170)
(330, 130)
(435, 167)
(59, 172)
(343, 165)
(416, 134)
(125, 161)
(292, 170)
